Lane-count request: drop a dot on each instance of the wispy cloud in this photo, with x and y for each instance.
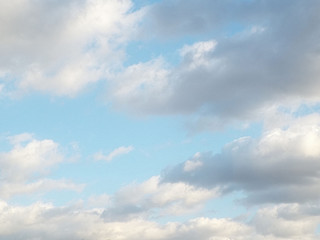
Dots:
(116, 152)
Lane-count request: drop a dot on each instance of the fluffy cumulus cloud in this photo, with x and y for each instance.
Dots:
(24, 169)
(283, 165)
(270, 58)
(61, 48)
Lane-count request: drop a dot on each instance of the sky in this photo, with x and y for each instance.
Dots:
(159, 119)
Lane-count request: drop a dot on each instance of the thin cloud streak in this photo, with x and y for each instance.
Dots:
(115, 153)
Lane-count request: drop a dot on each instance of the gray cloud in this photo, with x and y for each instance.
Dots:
(282, 166)
(271, 59)
(174, 18)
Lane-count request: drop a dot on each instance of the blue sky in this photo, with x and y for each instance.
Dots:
(159, 119)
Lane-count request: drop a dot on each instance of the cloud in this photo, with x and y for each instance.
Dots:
(270, 59)
(28, 157)
(116, 152)
(46, 221)
(286, 220)
(24, 168)
(175, 18)
(135, 85)
(152, 199)
(61, 49)
(281, 166)
(193, 164)
(9, 189)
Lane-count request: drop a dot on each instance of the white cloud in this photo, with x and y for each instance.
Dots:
(193, 164)
(32, 157)
(115, 153)
(198, 54)
(62, 48)
(99, 201)
(24, 168)
(139, 81)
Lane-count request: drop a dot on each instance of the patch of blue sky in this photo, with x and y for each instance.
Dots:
(318, 230)
(138, 4)
(234, 28)
(301, 110)
(5, 145)
(306, 109)
(149, 49)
